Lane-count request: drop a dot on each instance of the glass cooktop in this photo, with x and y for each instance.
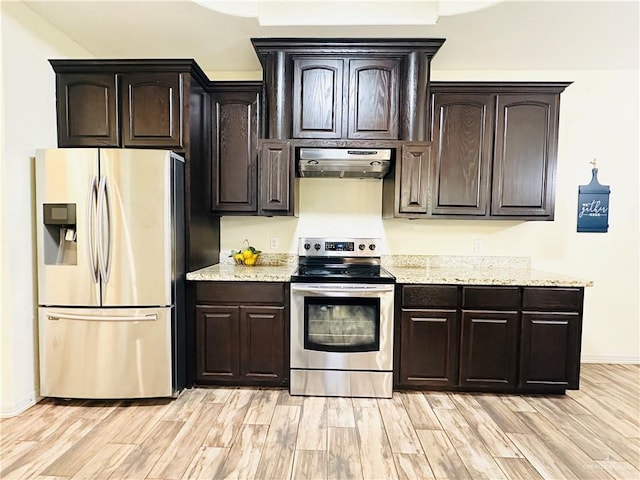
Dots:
(342, 273)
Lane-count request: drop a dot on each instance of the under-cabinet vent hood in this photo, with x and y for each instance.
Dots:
(343, 162)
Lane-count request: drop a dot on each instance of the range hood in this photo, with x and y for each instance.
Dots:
(343, 162)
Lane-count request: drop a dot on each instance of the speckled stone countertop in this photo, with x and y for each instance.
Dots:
(270, 268)
(471, 270)
(526, 277)
(416, 269)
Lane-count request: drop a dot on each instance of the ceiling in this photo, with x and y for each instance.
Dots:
(511, 35)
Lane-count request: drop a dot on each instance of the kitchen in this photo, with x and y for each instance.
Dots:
(554, 246)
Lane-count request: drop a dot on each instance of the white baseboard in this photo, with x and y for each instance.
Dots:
(610, 359)
(16, 408)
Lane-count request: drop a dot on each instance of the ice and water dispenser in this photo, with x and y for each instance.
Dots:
(59, 228)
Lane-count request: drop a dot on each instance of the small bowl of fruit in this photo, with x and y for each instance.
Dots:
(248, 255)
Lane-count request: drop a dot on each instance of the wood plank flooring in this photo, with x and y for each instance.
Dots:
(253, 433)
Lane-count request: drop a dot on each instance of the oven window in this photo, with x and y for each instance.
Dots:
(342, 324)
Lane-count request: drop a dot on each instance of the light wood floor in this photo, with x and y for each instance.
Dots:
(244, 433)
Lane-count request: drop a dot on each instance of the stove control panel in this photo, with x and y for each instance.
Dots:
(338, 247)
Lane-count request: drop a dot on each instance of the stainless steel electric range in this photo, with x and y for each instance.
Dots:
(341, 320)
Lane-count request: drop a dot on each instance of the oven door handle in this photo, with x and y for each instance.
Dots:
(342, 288)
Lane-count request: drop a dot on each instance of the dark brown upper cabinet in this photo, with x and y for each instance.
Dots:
(495, 148)
(125, 103)
(345, 98)
(405, 191)
(524, 163)
(276, 179)
(87, 110)
(462, 134)
(152, 110)
(493, 153)
(249, 176)
(346, 90)
(234, 160)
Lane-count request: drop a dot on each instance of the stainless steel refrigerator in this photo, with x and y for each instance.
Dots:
(111, 268)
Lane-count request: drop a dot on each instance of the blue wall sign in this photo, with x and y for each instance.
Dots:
(593, 205)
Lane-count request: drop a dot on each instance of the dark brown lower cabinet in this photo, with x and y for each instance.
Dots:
(551, 333)
(429, 344)
(488, 338)
(241, 343)
(489, 348)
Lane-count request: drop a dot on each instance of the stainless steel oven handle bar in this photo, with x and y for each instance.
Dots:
(342, 288)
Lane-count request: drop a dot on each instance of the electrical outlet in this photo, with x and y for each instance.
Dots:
(275, 243)
(477, 245)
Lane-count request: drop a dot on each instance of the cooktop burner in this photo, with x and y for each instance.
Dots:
(354, 260)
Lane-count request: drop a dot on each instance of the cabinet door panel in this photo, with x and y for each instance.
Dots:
(87, 110)
(235, 152)
(525, 155)
(262, 344)
(413, 183)
(373, 99)
(488, 355)
(275, 177)
(217, 334)
(429, 347)
(550, 350)
(152, 110)
(462, 132)
(317, 98)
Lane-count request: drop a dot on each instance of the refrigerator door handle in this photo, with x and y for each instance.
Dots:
(104, 258)
(132, 318)
(91, 226)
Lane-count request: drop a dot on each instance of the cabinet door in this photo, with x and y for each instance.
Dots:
(262, 344)
(462, 135)
(217, 343)
(429, 347)
(413, 181)
(152, 110)
(87, 110)
(275, 178)
(317, 97)
(488, 351)
(525, 155)
(550, 350)
(235, 152)
(373, 99)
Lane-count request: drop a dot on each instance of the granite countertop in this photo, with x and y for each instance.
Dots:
(233, 273)
(525, 277)
(414, 269)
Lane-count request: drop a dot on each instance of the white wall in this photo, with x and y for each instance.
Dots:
(598, 119)
(28, 113)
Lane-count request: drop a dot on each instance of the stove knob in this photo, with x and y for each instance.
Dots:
(361, 246)
(307, 246)
(317, 246)
(372, 246)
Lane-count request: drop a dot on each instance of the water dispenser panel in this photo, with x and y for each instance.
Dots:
(59, 213)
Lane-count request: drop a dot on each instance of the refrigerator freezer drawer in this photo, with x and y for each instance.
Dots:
(105, 353)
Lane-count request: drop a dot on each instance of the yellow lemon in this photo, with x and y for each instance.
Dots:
(247, 254)
(238, 256)
(250, 261)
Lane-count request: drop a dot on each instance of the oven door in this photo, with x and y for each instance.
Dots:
(342, 326)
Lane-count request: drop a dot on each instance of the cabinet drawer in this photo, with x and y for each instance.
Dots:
(552, 299)
(491, 298)
(240, 292)
(432, 296)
